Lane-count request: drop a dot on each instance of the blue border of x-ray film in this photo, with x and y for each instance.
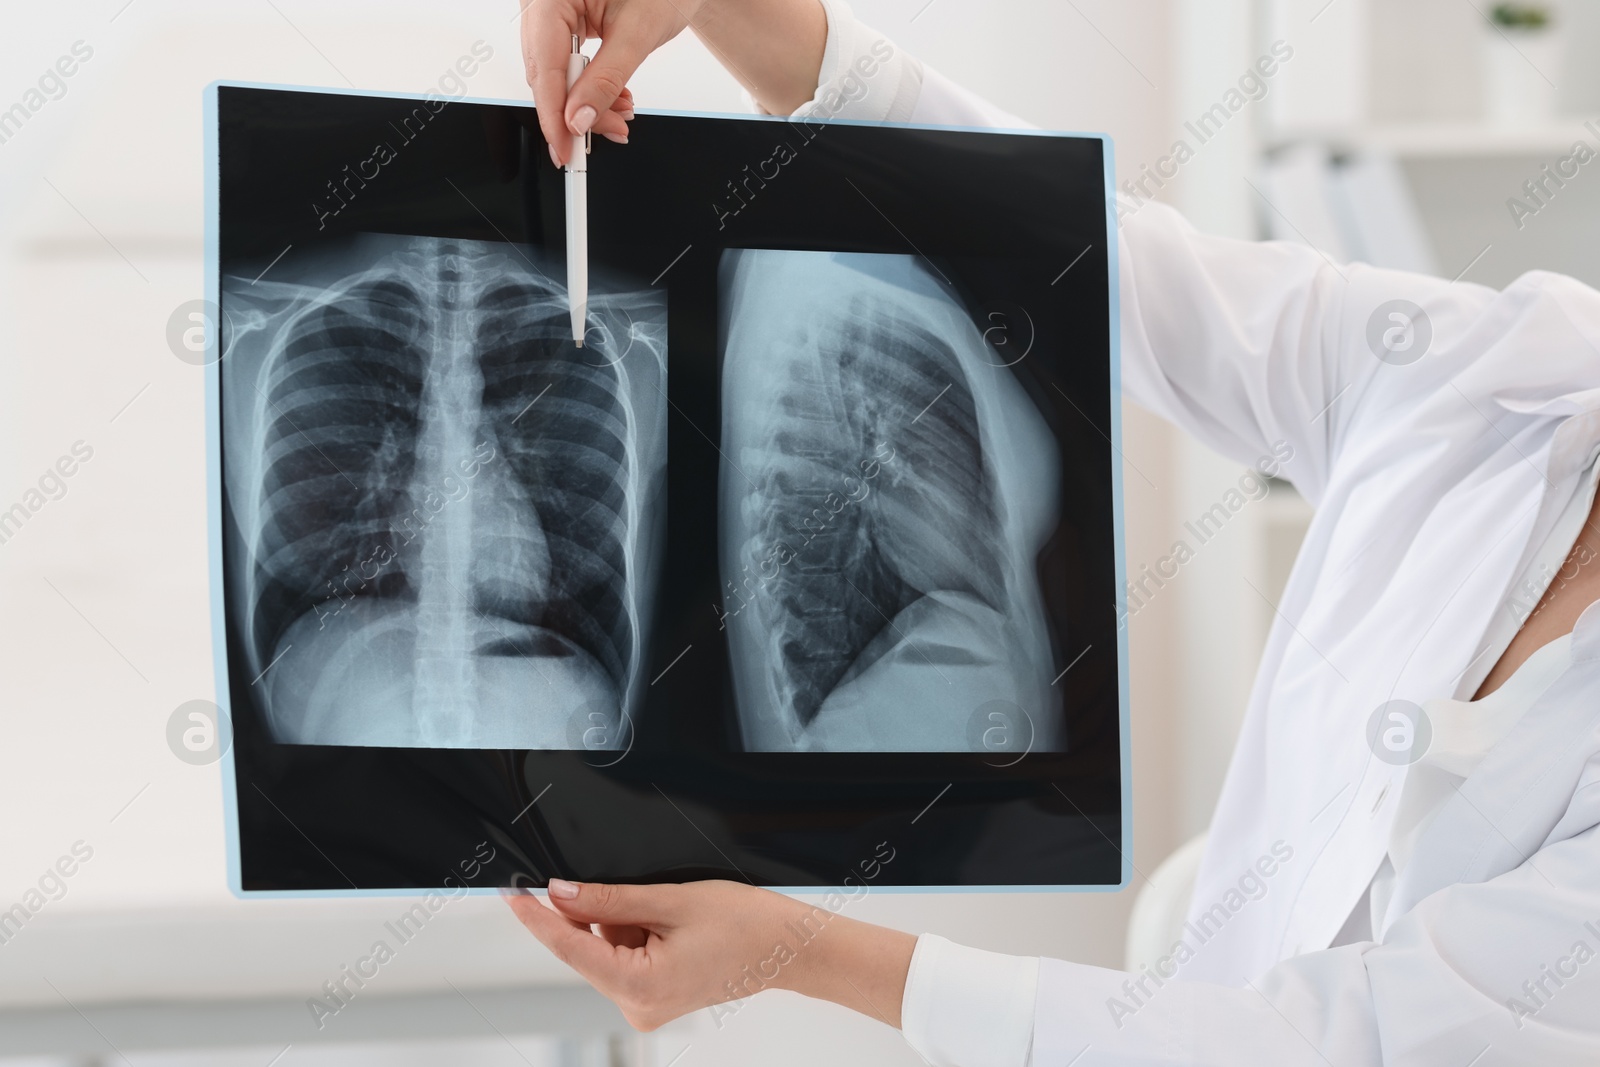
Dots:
(214, 500)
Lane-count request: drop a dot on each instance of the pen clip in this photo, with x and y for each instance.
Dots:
(588, 135)
(583, 62)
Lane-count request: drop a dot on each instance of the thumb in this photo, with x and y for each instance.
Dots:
(614, 905)
(603, 80)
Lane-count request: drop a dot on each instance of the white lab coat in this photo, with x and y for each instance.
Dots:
(1435, 483)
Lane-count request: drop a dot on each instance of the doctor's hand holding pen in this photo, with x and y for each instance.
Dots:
(772, 47)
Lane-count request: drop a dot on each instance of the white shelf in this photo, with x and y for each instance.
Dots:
(1444, 140)
(266, 949)
(108, 1032)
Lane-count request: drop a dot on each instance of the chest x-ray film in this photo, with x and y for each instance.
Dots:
(801, 570)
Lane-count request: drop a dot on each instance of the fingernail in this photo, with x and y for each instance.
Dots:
(616, 138)
(627, 116)
(562, 889)
(555, 158)
(583, 118)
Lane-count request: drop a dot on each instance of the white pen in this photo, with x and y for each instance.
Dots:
(578, 212)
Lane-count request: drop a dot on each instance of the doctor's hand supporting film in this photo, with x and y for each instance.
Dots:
(662, 951)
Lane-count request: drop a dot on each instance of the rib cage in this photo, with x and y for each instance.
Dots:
(856, 386)
(446, 510)
(885, 488)
(570, 453)
(338, 453)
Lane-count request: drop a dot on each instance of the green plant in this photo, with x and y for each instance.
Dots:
(1521, 16)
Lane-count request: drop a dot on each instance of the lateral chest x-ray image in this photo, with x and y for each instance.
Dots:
(885, 491)
(452, 512)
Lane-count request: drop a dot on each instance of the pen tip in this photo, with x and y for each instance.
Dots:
(580, 344)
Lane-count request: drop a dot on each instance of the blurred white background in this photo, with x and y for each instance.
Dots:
(105, 626)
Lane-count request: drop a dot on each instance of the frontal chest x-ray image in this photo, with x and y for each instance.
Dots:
(885, 491)
(448, 515)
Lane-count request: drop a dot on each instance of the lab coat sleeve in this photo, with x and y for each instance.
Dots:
(968, 1007)
(1495, 972)
(1489, 973)
(1246, 345)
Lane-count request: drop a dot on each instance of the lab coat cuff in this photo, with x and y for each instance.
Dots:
(864, 76)
(964, 1007)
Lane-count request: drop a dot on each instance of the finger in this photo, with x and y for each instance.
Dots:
(512, 896)
(587, 928)
(614, 905)
(611, 125)
(600, 962)
(604, 79)
(547, 30)
(624, 936)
